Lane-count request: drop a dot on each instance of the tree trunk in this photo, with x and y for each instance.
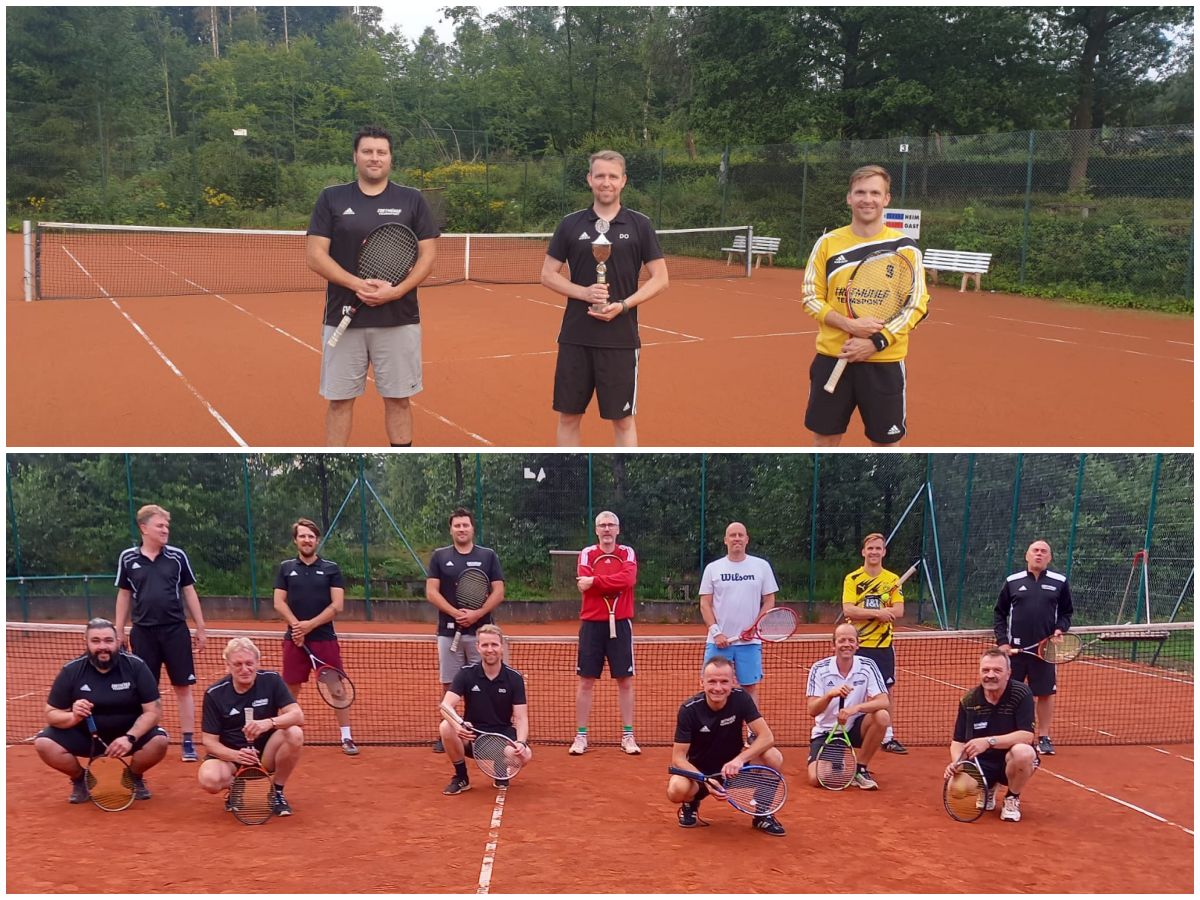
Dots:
(323, 484)
(596, 67)
(458, 478)
(570, 74)
(1096, 25)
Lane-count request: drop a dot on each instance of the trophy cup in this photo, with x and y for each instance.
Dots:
(601, 248)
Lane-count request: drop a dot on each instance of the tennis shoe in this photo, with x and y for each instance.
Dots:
(579, 745)
(688, 817)
(769, 824)
(457, 785)
(438, 746)
(1012, 809)
(987, 800)
(140, 790)
(1045, 745)
(279, 805)
(188, 752)
(349, 747)
(629, 745)
(500, 782)
(79, 791)
(894, 746)
(863, 779)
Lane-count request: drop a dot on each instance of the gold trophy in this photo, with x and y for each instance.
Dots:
(601, 248)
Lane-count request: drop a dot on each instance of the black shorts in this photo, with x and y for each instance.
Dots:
(509, 731)
(595, 646)
(885, 658)
(166, 644)
(876, 389)
(78, 742)
(855, 732)
(611, 373)
(1041, 676)
(994, 765)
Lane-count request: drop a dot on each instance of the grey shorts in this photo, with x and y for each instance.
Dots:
(394, 353)
(449, 663)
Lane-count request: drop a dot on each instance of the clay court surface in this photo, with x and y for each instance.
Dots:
(724, 363)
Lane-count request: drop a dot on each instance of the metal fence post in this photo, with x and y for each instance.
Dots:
(1149, 534)
(591, 515)
(703, 503)
(966, 536)
(812, 537)
(803, 198)
(1028, 201)
(362, 488)
(1075, 513)
(479, 493)
(250, 536)
(662, 158)
(12, 517)
(1016, 505)
(133, 529)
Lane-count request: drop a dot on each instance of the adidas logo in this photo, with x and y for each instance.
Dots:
(704, 729)
(293, 572)
(627, 408)
(349, 211)
(475, 688)
(85, 687)
(135, 566)
(1021, 588)
(585, 237)
(895, 429)
(840, 259)
(234, 711)
(449, 564)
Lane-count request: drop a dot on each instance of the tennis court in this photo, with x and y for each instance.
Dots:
(1119, 818)
(724, 364)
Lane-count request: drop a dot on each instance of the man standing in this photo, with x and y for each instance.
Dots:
(385, 332)
(872, 601)
(121, 695)
(154, 584)
(598, 344)
(734, 591)
(995, 728)
(1033, 605)
(861, 706)
(446, 566)
(595, 645)
(877, 389)
(494, 701)
(309, 593)
(273, 739)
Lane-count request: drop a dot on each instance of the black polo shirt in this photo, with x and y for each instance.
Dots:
(978, 718)
(224, 707)
(346, 215)
(1029, 609)
(488, 702)
(307, 588)
(155, 584)
(714, 736)
(634, 243)
(116, 695)
(447, 564)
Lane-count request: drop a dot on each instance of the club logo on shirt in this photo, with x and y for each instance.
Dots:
(737, 576)
(980, 726)
(501, 690)
(389, 212)
(1048, 587)
(262, 702)
(123, 686)
(728, 721)
(623, 237)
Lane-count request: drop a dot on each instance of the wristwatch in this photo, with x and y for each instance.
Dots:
(132, 740)
(991, 742)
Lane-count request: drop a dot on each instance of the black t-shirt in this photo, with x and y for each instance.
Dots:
(224, 707)
(155, 584)
(346, 215)
(634, 243)
(308, 594)
(714, 735)
(116, 695)
(447, 564)
(488, 703)
(1029, 609)
(978, 718)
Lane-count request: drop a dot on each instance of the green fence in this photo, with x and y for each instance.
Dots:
(1100, 215)
(970, 516)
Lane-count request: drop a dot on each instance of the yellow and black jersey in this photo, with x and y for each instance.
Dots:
(868, 591)
(830, 265)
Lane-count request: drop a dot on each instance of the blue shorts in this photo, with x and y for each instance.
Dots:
(747, 660)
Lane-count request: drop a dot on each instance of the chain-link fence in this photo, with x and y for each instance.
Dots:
(1103, 214)
(970, 516)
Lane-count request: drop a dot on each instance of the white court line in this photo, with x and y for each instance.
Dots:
(489, 850)
(174, 368)
(750, 337)
(302, 343)
(1117, 800)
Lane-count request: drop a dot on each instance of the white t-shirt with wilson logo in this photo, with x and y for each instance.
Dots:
(737, 590)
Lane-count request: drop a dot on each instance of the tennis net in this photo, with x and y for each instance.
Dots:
(71, 261)
(1134, 684)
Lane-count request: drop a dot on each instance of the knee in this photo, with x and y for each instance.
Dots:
(1022, 755)
(812, 775)
(46, 749)
(293, 736)
(213, 776)
(883, 718)
(678, 789)
(623, 424)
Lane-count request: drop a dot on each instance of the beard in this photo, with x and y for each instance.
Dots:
(105, 664)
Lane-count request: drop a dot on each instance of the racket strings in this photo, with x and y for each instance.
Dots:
(777, 624)
(388, 255)
(335, 688)
(110, 783)
(472, 588)
(757, 793)
(880, 287)
(965, 794)
(496, 756)
(835, 765)
(250, 796)
(1064, 650)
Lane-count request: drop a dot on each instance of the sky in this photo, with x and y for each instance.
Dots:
(415, 16)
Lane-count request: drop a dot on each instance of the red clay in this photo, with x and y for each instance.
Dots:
(724, 364)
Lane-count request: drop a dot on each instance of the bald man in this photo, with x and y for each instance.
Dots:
(1034, 604)
(734, 591)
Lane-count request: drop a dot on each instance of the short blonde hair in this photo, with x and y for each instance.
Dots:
(873, 536)
(149, 511)
(607, 156)
(238, 644)
(490, 628)
(869, 172)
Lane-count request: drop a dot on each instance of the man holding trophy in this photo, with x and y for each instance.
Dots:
(604, 247)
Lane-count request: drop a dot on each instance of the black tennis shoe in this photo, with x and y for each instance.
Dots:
(140, 791)
(894, 746)
(79, 791)
(279, 805)
(687, 816)
(1045, 745)
(769, 824)
(457, 785)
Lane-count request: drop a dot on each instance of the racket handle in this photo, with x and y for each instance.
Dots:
(835, 376)
(339, 331)
(457, 640)
(612, 624)
(91, 725)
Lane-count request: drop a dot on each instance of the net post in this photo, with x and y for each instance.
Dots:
(467, 258)
(27, 256)
(749, 247)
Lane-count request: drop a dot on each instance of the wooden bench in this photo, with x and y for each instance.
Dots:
(972, 265)
(682, 587)
(759, 247)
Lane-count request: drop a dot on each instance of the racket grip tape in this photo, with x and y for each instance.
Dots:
(835, 376)
(612, 625)
(339, 331)
(457, 640)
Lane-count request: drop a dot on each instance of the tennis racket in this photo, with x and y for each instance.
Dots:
(1057, 650)
(755, 790)
(498, 757)
(470, 592)
(109, 778)
(964, 793)
(386, 254)
(333, 685)
(836, 762)
(777, 624)
(608, 565)
(251, 790)
(880, 288)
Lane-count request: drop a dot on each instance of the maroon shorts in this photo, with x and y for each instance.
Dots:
(297, 665)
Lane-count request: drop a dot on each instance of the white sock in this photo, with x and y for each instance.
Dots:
(345, 732)
(887, 735)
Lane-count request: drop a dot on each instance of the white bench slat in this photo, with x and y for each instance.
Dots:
(759, 247)
(970, 264)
